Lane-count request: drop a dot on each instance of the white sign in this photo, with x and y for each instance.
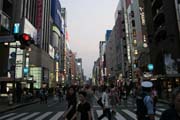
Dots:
(28, 28)
(4, 21)
(51, 51)
(170, 64)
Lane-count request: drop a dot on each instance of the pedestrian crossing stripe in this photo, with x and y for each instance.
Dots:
(158, 113)
(6, 116)
(133, 115)
(119, 116)
(43, 116)
(130, 113)
(30, 116)
(18, 116)
(161, 109)
(57, 115)
(99, 112)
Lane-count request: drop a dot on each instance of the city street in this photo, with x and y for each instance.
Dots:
(54, 110)
(113, 58)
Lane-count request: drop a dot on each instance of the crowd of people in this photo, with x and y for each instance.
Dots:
(80, 101)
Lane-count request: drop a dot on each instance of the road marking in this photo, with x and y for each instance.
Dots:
(99, 112)
(18, 116)
(8, 115)
(43, 116)
(119, 116)
(57, 116)
(157, 118)
(30, 116)
(161, 109)
(130, 114)
(158, 113)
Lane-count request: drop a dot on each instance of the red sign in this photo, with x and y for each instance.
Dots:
(39, 14)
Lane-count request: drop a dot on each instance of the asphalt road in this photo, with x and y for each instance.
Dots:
(53, 110)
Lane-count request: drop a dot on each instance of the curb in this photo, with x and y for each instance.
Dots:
(18, 106)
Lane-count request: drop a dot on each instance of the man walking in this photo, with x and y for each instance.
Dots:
(84, 108)
(144, 102)
(106, 107)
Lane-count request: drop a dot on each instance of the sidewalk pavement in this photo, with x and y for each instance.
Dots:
(5, 107)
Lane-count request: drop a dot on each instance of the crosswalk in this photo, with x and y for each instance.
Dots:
(57, 115)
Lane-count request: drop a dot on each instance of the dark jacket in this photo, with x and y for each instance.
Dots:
(170, 114)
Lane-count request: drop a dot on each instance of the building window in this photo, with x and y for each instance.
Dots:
(135, 52)
(133, 23)
(132, 13)
(134, 42)
(145, 40)
(134, 33)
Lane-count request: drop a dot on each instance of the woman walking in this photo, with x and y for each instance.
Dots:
(72, 101)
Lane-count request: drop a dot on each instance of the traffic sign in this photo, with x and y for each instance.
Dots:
(9, 38)
(13, 54)
(16, 28)
(150, 67)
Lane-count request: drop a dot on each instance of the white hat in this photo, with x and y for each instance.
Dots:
(146, 84)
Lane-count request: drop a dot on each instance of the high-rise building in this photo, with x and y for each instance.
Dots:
(38, 62)
(108, 33)
(163, 36)
(102, 64)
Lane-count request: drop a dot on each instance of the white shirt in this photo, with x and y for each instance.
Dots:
(105, 100)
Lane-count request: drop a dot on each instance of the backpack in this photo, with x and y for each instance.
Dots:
(99, 101)
(141, 107)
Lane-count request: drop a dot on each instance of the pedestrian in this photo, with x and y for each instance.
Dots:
(41, 95)
(60, 95)
(45, 94)
(173, 113)
(144, 102)
(89, 93)
(154, 97)
(83, 109)
(114, 99)
(72, 101)
(106, 107)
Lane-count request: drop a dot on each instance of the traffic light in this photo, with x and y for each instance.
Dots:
(26, 71)
(25, 40)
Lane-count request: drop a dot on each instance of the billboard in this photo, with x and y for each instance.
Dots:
(56, 13)
(39, 14)
(28, 28)
(51, 51)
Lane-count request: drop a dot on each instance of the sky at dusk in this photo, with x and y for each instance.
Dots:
(87, 22)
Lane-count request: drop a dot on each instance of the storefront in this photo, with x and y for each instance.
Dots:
(165, 85)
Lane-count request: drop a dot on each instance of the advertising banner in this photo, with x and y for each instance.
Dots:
(39, 14)
(28, 28)
(56, 13)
